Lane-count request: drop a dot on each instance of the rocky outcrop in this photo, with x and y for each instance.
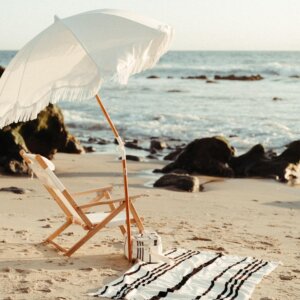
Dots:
(259, 163)
(209, 156)
(45, 135)
(215, 157)
(242, 78)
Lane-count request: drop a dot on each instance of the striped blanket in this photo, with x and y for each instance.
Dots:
(193, 275)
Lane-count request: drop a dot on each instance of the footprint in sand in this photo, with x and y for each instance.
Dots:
(21, 231)
(87, 269)
(47, 226)
(24, 290)
(287, 277)
(60, 279)
(6, 270)
(23, 281)
(199, 238)
(49, 281)
(267, 243)
(22, 271)
(45, 290)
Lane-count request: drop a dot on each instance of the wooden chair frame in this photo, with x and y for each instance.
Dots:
(102, 197)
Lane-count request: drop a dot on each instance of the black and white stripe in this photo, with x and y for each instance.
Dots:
(194, 275)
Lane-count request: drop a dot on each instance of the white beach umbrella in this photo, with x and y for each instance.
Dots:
(71, 59)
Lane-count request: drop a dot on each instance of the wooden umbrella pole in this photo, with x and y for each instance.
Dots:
(125, 178)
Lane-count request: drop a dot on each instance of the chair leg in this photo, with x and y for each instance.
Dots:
(136, 217)
(113, 207)
(58, 231)
(94, 230)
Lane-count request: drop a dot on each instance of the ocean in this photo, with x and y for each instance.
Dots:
(174, 108)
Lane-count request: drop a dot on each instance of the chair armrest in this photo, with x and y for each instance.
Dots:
(99, 190)
(88, 205)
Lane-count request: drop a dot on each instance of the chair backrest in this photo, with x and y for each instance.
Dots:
(43, 169)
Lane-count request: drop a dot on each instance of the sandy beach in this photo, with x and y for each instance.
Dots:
(258, 218)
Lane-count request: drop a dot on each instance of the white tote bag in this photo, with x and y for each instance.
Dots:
(146, 246)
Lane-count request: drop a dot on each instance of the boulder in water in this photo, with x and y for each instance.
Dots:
(241, 78)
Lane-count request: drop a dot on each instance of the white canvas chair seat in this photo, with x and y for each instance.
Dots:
(76, 213)
(98, 217)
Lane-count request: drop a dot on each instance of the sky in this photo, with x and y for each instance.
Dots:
(198, 24)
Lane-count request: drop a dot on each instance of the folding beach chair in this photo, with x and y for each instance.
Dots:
(77, 214)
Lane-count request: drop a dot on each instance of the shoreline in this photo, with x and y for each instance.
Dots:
(247, 217)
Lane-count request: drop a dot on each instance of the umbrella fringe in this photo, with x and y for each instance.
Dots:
(22, 114)
(136, 63)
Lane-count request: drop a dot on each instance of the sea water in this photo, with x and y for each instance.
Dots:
(172, 107)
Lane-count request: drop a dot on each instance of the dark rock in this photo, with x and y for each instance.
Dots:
(11, 143)
(171, 139)
(242, 78)
(89, 149)
(174, 91)
(258, 163)
(208, 156)
(270, 154)
(157, 118)
(243, 163)
(13, 189)
(133, 157)
(295, 76)
(210, 81)
(277, 99)
(199, 77)
(99, 141)
(157, 145)
(151, 156)
(133, 145)
(153, 77)
(170, 77)
(72, 146)
(291, 154)
(1, 70)
(181, 182)
(16, 167)
(174, 154)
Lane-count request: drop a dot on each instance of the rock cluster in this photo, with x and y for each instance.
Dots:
(242, 78)
(220, 77)
(215, 157)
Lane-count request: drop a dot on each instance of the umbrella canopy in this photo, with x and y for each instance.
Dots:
(74, 56)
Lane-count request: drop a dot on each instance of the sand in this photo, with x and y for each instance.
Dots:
(258, 218)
